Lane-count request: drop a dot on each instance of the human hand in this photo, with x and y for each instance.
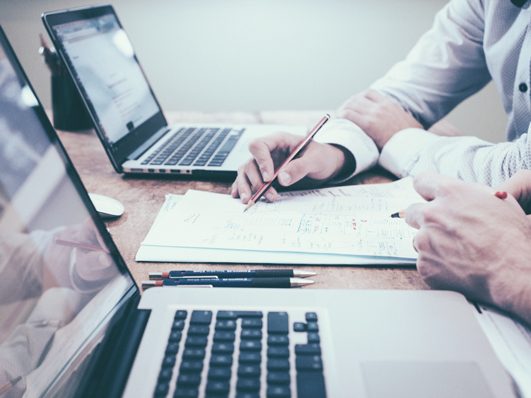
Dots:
(67, 266)
(319, 162)
(519, 186)
(379, 116)
(473, 242)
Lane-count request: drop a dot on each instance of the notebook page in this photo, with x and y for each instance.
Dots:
(343, 220)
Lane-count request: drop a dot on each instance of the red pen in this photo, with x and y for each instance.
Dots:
(297, 151)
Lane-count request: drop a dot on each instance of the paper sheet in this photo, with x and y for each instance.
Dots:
(344, 221)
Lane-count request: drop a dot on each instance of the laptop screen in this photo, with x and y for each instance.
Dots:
(105, 66)
(59, 284)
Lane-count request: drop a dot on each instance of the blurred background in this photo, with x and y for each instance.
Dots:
(248, 55)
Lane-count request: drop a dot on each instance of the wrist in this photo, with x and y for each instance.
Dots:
(345, 162)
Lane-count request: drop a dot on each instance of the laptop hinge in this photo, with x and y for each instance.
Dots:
(116, 355)
(148, 144)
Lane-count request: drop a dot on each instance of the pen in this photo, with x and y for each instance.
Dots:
(402, 214)
(297, 151)
(258, 273)
(78, 245)
(231, 282)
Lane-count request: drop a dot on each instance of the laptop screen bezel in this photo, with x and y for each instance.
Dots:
(119, 151)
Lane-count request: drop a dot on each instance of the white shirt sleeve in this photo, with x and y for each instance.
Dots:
(412, 151)
(444, 67)
(346, 134)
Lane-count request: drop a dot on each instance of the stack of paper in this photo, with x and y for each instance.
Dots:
(341, 225)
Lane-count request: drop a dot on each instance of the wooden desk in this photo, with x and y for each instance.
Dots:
(143, 198)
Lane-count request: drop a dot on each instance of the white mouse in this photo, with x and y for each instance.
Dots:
(106, 207)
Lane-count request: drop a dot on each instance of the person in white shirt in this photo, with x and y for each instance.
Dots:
(482, 251)
(470, 43)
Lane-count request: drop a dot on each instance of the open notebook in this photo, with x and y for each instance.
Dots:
(341, 225)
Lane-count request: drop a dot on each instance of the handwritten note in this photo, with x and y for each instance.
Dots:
(343, 220)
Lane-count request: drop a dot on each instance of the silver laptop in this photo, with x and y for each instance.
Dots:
(73, 323)
(127, 116)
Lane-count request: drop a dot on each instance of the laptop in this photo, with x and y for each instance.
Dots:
(73, 322)
(126, 115)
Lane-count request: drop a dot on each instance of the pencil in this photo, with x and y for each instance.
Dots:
(297, 151)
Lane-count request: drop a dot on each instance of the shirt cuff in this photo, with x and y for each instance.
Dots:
(403, 150)
(344, 133)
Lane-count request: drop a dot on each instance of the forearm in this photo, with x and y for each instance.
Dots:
(413, 151)
(444, 67)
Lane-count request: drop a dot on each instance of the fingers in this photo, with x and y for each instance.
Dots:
(519, 186)
(295, 171)
(432, 185)
(262, 149)
(375, 96)
(415, 215)
(248, 181)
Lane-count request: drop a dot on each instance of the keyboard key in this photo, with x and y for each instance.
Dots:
(222, 348)
(191, 367)
(227, 315)
(277, 323)
(247, 394)
(250, 314)
(177, 325)
(223, 373)
(221, 360)
(311, 317)
(201, 317)
(277, 364)
(161, 390)
(224, 336)
(308, 362)
(251, 334)
(278, 352)
(279, 391)
(198, 330)
(189, 379)
(299, 327)
(278, 378)
(307, 349)
(186, 392)
(225, 325)
(175, 336)
(278, 340)
(313, 338)
(194, 353)
(165, 375)
(249, 371)
(217, 387)
(196, 341)
(168, 361)
(311, 384)
(250, 345)
(251, 323)
(312, 327)
(250, 357)
(172, 348)
(248, 384)
(180, 314)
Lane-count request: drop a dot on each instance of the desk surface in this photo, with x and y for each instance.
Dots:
(143, 198)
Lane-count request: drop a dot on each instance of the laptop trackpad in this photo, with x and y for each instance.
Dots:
(424, 379)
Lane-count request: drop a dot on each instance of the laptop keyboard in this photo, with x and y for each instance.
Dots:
(195, 146)
(242, 354)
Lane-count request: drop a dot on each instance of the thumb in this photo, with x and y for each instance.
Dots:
(519, 186)
(294, 171)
